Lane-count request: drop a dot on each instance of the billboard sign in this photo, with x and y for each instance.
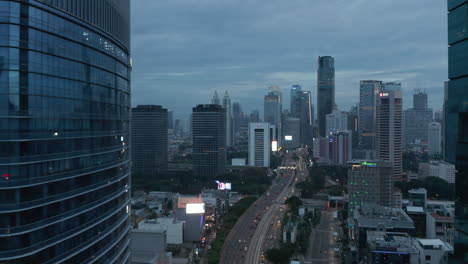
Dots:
(195, 208)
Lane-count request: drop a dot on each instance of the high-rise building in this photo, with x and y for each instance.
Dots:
(149, 140)
(229, 130)
(209, 140)
(434, 143)
(305, 113)
(236, 118)
(64, 131)
(254, 116)
(456, 117)
(336, 121)
(439, 116)
(170, 119)
(325, 91)
(340, 147)
(368, 93)
(273, 109)
(353, 124)
(295, 89)
(292, 133)
(261, 141)
(215, 99)
(417, 120)
(389, 127)
(369, 182)
(321, 150)
(420, 100)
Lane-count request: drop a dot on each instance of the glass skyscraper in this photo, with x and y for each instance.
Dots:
(368, 93)
(209, 140)
(325, 91)
(64, 131)
(456, 118)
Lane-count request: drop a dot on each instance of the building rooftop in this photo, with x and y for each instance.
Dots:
(396, 242)
(441, 218)
(374, 216)
(435, 244)
(414, 209)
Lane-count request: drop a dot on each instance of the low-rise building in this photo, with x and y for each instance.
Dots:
(396, 247)
(440, 226)
(290, 232)
(391, 247)
(149, 247)
(434, 251)
(377, 218)
(174, 228)
(439, 169)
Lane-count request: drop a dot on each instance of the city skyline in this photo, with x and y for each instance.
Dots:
(196, 57)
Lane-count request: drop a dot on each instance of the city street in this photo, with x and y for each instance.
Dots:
(322, 241)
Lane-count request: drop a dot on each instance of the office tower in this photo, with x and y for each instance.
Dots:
(149, 140)
(456, 118)
(305, 112)
(321, 150)
(353, 124)
(439, 116)
(292, 133)
(295, 89)
(227, 105)
(261, 141)
(236, 118)
(325, 91)
(368, 93)
(254, 116)
(336, 121)
(215, 99)
(340, 147)
(444, 113)
(178, 128)
(389, 127)
(369, 182)
(64, 131)
(434, 143)
(417, 120)
(273, 109)
(209, 140)
(170, 119)
(419, 100)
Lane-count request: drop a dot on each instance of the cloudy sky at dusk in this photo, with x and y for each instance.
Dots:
(184, 50)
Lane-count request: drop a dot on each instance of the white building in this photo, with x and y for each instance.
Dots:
(340, 147)
(174, 228)
(434, 141)
(321, 150)
(440, 169)
(262, 140)
(434, 251)
(441, 226)
(336, 120)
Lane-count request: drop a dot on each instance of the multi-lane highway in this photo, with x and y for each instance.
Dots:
(258, 228)
(253, 225)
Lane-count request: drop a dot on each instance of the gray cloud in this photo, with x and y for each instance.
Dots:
(183, 50)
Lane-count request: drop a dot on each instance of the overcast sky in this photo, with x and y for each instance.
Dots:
(184, 50)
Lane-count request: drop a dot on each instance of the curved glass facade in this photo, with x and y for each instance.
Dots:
(64, 132)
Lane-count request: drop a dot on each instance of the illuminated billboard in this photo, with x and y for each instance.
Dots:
(195, 208)
(288, 138)
(223, 185)
(274, 145)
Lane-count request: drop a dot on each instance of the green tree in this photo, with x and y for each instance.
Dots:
(294, 202)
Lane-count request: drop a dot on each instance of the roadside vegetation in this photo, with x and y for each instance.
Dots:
(227, 223)
(251, 181)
